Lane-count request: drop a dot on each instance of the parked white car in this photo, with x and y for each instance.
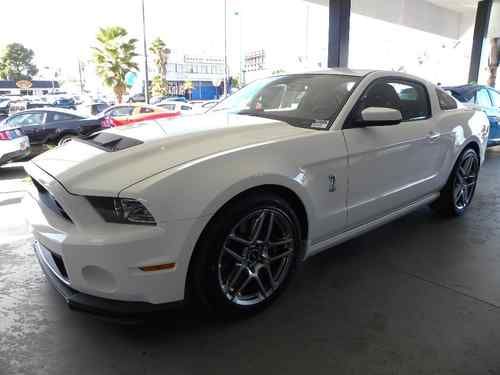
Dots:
(221, 208)
(14, 145)
(174, 106)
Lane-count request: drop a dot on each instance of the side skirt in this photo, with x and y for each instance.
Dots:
(354, 232)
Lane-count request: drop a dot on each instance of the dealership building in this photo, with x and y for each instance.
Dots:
(35, 87)
(204, 74)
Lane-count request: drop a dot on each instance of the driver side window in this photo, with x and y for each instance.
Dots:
(408, 97)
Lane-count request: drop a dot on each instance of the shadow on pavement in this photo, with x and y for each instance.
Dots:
(12, 171)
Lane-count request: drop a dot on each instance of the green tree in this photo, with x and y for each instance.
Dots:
(114, 58)
(160, 52)
(16, 63)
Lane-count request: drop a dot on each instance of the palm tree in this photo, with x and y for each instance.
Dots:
(161, 52)
(114, 58)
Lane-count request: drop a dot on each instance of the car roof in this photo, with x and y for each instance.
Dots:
(51, 109)
(334, 71)
(464, 89)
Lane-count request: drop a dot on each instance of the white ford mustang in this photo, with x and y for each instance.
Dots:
(221, 208)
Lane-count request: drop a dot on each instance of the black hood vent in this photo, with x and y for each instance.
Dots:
(110, 142)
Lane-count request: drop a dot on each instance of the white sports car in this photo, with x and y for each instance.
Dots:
(14, 144)
(221, 208)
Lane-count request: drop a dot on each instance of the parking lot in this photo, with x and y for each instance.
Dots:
(419, 295)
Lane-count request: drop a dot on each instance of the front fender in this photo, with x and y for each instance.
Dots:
(201, 189)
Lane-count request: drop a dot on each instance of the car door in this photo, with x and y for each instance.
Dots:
(394, 165)
(58, 122)
(495, 117)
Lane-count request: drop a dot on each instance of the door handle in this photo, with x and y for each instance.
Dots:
(433, 136)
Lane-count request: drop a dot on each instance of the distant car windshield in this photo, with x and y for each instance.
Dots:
(300, 100)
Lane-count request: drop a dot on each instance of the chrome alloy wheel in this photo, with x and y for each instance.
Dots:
(465, 180)
(256, 256)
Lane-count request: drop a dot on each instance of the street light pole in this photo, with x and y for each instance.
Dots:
(241, 80)
(225, 49)
(146, 73)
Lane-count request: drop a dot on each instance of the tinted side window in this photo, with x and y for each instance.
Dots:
(483, 99)
(146, 110)
(121, 111)
(28, 119)
(185, 108)
(410, 98)
(61, 117)
(446, 102)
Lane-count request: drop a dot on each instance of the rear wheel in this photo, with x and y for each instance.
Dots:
(457, 195)
(247, 255)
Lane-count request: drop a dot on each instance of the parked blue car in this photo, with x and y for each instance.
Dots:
(485, 99)
(65, 103)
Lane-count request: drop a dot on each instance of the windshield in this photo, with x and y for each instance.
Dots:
(300, 100)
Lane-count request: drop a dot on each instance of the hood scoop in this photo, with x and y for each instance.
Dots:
(110, 142)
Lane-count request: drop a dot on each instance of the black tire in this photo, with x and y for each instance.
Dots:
(65, 138)
(206, 273)
(448, 204)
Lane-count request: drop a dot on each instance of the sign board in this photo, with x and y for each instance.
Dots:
(24, 84)
(130, 79)
(203, 60)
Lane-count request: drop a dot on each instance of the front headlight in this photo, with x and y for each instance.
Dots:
(122, 210)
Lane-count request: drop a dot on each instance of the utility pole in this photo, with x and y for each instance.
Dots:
(146, 73)
(80, 69)
(226, 73)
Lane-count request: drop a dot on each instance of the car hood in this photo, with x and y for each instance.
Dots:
(86, 169)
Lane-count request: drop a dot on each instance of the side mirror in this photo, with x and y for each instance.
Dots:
(380, 116)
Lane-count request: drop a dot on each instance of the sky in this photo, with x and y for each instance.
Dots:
(62, 31)
(294, 34)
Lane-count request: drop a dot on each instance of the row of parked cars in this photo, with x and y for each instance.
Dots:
(56, 126)
(41, 125)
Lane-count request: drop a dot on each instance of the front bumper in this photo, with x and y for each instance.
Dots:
(95, 305)
(105, 260)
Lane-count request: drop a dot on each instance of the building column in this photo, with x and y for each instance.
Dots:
(480, 31)
(338, 33)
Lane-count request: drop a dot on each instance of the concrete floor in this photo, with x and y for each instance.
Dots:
(418, 296)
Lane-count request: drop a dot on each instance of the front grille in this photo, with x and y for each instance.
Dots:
(49, 200)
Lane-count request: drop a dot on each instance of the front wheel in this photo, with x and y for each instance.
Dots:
(65, 139)
(247, 255)
(457, 195)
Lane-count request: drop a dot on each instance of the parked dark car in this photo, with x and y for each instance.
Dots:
(4, 106)
(65, 103)
(19, 105)
(52, 126)
(485, 99)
